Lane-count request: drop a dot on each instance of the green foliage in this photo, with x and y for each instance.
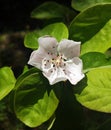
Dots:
(89, 22)
(96, 93)
(92, 28)
(100, 42)
(49, 10)
(30, 40)
(57, 30)
(93, 60)
(35, 101)
(80, 5)
(7, 81)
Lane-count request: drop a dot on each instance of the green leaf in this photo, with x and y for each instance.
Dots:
(95, 94)
(80, 5)
(30, 40)
(93, 60)
(89, 22)
(101, 42)
(25, 69)
(35, 101)
(7, 81)
(57, 30)
(49, 10)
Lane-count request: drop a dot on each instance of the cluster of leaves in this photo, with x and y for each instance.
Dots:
(34, 100)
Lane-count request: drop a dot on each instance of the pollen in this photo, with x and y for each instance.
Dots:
(58, 61)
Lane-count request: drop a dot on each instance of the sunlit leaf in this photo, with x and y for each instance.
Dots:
(89, 22)
(7, 81)
(100, 42)
(57, 30)
(35, 102)
(25, 69)
(96, 93)
(30, 40)
(83, 4)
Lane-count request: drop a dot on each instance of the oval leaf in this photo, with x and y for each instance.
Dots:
(50, 10)
(93, 60)
(30, 40)
(96, 95)
(101, 42)
(84, 4)
(89, 22)
(57, 30)
(35, 102)
(7, 81)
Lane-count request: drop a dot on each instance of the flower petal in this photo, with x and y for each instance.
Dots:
(46, 65)
(48, 43)
(37, 57)
(55, 75)
(73, 70)
(69, 48)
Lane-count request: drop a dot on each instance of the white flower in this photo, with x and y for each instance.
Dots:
(58, 61)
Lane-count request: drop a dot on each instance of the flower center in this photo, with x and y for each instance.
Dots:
(57, 61)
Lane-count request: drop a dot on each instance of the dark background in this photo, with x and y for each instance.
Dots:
(15, 14)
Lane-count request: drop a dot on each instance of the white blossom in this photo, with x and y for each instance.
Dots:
(58, 61)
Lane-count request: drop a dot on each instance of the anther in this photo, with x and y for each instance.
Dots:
(53, 65)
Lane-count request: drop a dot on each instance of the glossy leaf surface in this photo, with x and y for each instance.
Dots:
(93, 60)
(80, 5)
(7, 81)
(89, 22)
(35, 101)
(49, 10)
(96, 93)
(57, 30)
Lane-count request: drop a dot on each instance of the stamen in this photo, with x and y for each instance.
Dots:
(53, 65)
(57, 61)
